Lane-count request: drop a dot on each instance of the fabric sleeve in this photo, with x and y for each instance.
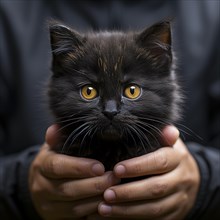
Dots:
(208, 198)
(15, 200)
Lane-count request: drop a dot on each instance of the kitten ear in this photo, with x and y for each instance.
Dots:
(63, 39)
(156, 38)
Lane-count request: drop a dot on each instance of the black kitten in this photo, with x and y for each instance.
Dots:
(113, 92)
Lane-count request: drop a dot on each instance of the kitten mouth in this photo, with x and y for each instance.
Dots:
(110, 133)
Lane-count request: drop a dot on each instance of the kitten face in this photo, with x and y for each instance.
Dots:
(113, 86)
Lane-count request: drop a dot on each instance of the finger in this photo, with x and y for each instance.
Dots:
(146, 189)
(72, 190)
(52, 136)
(157, 162)
(180, 147)
(170, 135)
(153, 209)
(83, 188)
(71, 210)
(59, 166)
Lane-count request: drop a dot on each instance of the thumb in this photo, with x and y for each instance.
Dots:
(53, 136)
(170, 134)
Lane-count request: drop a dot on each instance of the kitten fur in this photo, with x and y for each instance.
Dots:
(112, 127)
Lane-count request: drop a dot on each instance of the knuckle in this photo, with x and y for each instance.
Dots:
(162, 161)
(101, 184)
(156, 210)
(36, 164)
(35, 188)
(187, 180)
(189, 183)
(100, 187)
(64, 190)
(53, 166)
(39, 190)
(159, 189)
(184, 198)
(184, 155)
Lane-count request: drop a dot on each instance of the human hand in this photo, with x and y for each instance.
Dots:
(169, 194)
(66, 187)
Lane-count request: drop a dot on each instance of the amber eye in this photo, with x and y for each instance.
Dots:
(89, 92)
(132, 92)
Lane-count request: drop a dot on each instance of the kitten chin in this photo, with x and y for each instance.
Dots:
(110, 132)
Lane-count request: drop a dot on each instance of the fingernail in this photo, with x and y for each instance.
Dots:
(98, 169)
(109, 195)
(105, 210)
(120, 170)
(174, 130)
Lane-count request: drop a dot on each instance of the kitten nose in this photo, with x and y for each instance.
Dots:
(110, 109)
(110, 115)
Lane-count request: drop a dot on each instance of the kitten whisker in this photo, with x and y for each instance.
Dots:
(157, 130)
(132, 136)
(91, 134)
(88, 128)
(77, 119)
(139, 137)
(144, 138)
(87, 134)
(67, 116)
(72, 135)
(155, 120)
(188, 131)
(149, 132)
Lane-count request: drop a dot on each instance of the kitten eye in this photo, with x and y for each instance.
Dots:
(132, 92)
(88, 92)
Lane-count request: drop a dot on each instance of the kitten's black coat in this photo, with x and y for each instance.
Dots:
(112, 127)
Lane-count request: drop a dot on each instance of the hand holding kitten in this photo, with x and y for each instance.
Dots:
(63, 186)
(169, 194)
